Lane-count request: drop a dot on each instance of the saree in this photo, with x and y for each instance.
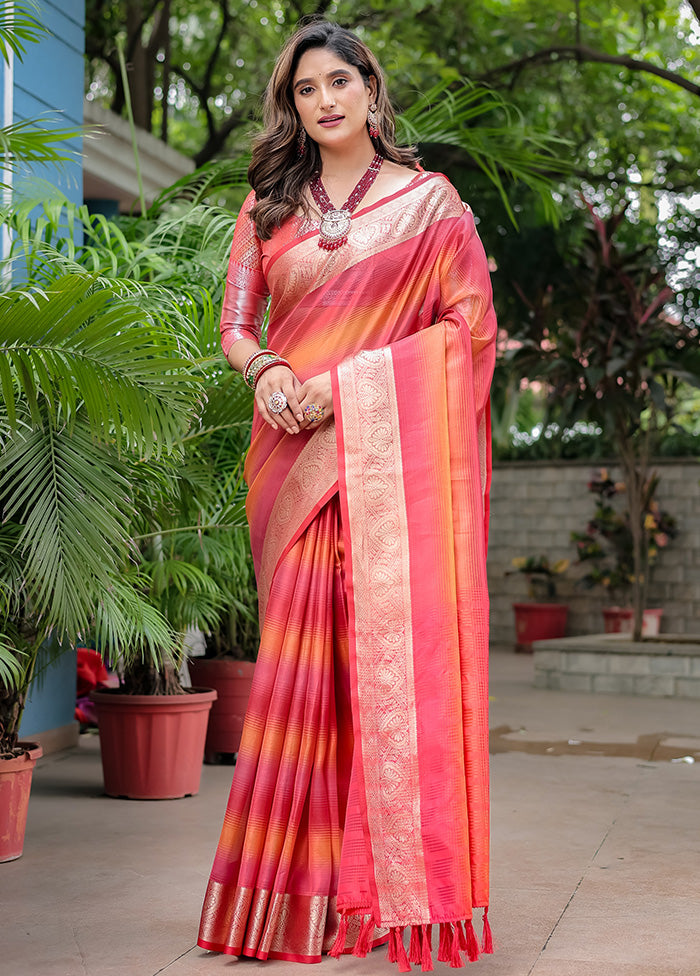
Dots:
(359, 808)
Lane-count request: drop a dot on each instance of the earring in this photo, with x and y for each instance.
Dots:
(301, 141)
(373, 121)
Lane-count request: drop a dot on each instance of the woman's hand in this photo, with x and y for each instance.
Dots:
(280, 379)
(316, 400)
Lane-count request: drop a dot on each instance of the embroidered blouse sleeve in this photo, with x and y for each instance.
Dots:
(246, 292)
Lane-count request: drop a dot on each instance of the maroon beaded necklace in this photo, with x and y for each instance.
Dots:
(335, 224)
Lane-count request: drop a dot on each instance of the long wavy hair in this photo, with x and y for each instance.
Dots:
(277, 173)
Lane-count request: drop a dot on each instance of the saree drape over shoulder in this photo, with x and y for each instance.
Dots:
(359, 805)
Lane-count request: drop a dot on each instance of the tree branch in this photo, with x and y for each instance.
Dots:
(580, 52)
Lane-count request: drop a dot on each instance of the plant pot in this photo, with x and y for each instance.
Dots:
(538, 621)
(620, 620)
(232, 680)
(152, 746)
(15, 784)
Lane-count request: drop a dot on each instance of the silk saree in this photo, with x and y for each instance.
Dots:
(359, 808)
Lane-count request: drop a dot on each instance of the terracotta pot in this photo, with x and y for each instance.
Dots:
(620, 620)
(232, 680)
(538, 621)
(15, 784)
(152, 746)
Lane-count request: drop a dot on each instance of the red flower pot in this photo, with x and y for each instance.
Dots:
(620, 620)
(152, 746)
(538, 621)
(15, 784)
(232, 680)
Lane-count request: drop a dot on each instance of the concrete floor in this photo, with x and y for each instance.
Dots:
(596, 852)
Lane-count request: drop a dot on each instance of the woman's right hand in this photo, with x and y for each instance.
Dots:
(279, 379)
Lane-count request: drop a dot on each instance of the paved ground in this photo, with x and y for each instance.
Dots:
(596, 853)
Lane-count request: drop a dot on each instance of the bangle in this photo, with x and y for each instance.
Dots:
(278, 361)
(251, 359)
(255, 362)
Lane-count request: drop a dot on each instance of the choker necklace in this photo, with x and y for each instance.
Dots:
(335, 224)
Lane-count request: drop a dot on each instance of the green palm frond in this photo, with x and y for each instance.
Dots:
(78, 347)
(199, 187)
(71, 496)
(481, 122)
(35, 141)
(19, 23)
(127, 627)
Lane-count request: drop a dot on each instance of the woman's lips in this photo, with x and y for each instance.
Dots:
(332, 120)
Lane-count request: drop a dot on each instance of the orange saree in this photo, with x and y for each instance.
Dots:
(359, 804)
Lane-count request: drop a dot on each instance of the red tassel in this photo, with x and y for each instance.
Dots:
(472, 946)
(459, 934)
(336, 950)
(401, 957)
(415, 951)
(456, 956)
(392, 956)
(487, 937)
(427, 955)
(445, 947)
(364, 939)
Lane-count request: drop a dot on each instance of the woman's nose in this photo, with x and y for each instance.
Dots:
(327, 97)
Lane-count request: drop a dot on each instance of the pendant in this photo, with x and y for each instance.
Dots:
(335, 226)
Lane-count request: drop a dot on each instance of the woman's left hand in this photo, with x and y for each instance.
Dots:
(316, 401)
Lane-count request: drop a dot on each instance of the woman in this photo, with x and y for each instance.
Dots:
(360, 798)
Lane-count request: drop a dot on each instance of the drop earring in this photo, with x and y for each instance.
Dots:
(373, 121)
(301, 142)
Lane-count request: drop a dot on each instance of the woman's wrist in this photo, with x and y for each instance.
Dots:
(269, 364)
(256, 364)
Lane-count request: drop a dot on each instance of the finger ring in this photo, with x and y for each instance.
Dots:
(314, 412)
(277, 402)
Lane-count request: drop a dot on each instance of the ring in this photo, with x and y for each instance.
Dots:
(277, 402)
(314, 412)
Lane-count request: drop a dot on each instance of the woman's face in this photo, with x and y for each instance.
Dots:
(331, 98)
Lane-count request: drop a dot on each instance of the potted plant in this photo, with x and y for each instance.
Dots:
(606, 547)
(610, 352)
(231, 651)
(541, 618)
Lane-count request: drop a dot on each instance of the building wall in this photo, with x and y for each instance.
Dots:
(48, 84)
(534, 508)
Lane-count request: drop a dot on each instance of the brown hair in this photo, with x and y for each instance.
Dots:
(277, 173)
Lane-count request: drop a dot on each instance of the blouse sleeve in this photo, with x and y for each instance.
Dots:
(246, 292)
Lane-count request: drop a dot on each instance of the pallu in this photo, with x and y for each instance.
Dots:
(359, 809)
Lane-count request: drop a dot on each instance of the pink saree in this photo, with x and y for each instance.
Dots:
(359, 806)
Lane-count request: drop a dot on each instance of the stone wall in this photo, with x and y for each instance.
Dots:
(536, 505)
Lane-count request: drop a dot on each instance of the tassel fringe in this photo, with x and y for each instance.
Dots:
(415, 950)
(401, 957)
(364, 939)
(336, 950)
(427, 954)
(472, 946)
(487, 937)
(455, 938)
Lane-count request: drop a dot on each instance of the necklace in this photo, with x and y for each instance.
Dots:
(335, 224)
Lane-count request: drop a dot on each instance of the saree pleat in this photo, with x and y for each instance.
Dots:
(277, 863)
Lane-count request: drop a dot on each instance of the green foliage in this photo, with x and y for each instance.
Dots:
(608, 544)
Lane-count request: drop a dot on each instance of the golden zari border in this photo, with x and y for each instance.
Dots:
(383, 634)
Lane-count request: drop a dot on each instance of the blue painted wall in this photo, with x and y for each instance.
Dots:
(49, 83)
(51, 700)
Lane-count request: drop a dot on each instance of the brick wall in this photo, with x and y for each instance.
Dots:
(536, 505)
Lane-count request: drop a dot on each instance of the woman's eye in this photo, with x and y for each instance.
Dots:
(306, 90)
(340, 81)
